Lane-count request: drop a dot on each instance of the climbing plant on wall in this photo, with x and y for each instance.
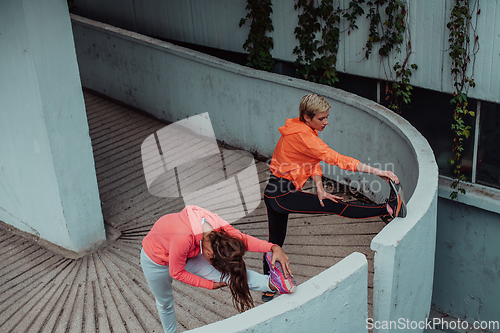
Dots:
(259, 45)
(462, 52)
(388, 29)
(318, 33)
(317, 58)
(390, 32)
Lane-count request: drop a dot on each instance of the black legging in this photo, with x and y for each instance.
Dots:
(281, 199)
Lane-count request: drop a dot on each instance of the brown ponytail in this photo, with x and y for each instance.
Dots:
(228, 259)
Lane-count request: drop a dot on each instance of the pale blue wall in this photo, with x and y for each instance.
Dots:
(47, 174)
(402, 283)
(467, 273)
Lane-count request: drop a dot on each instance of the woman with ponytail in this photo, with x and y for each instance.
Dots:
(199, 248)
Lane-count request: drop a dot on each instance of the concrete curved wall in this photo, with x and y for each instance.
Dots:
(246, 108)
(310, 308)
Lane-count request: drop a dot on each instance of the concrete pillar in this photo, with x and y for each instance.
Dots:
(48, 185)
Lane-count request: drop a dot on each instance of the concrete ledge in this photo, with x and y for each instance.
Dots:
(476, 195)
(310, 308)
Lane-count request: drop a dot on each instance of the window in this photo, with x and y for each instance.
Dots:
(431, 113)
(488, 152)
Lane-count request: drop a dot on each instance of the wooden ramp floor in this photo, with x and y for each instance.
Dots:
(105, 291)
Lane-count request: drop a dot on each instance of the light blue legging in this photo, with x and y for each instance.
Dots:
(160, 283)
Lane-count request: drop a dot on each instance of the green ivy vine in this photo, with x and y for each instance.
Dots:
(318, 34)
(392, 28)
(258, 43)
(316, 59)
(390, 33)
(462, 54)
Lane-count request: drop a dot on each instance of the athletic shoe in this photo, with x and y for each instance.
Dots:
(267, 296)
(277, 276)
(396, 200)
(386, 218)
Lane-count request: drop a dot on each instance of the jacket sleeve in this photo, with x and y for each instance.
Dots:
(316, 148)
(253, 244)
(317, 170)
(179, 249)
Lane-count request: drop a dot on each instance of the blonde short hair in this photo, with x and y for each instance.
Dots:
(312, 104)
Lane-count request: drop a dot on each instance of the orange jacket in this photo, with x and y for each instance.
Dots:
(176, 237)
(299, 151)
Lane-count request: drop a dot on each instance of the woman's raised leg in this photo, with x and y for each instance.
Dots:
(200, 266)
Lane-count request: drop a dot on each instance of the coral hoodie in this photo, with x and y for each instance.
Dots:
(299, 151)
(176, 237)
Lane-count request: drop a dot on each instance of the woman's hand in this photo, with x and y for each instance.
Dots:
(279, 255)
(218, 285)
(386, 175)
(322, 195)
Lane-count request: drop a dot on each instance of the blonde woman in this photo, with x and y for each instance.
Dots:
(297, 157)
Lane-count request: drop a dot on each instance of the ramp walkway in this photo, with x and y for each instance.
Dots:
(44, 290)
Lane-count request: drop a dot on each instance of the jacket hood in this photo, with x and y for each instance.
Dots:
(193, 215)
(293, 126)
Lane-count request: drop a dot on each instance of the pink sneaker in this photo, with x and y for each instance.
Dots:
(396, 200)
(284, 285)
